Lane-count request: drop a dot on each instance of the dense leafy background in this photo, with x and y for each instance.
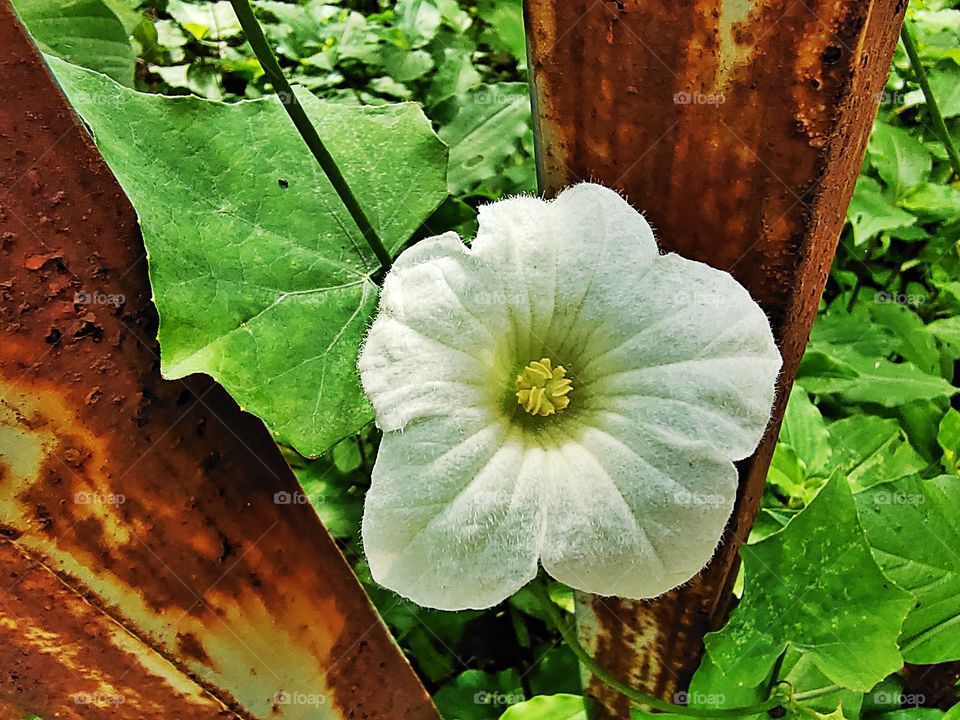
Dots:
(854, 564)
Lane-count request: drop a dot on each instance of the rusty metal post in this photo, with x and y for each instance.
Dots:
(738, 128)
(146, 570)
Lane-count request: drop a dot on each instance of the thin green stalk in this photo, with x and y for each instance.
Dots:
(819, 692)
(638, 697)
(308, 132)
(939, 126)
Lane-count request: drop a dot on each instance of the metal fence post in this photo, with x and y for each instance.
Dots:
(147, 567)
(738, 128)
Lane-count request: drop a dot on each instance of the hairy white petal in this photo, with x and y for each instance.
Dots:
(635, 511)
(452, 518)
(562, 261)
(695, 355)
(435, 345)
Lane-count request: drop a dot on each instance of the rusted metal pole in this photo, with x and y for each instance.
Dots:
(738, 128)
(149, 564)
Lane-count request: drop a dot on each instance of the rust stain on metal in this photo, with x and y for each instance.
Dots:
(75, 662)
(142, 553)
(737, 127)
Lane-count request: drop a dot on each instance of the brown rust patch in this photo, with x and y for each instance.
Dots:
(152, 499)
(74, 662)
(742, 150)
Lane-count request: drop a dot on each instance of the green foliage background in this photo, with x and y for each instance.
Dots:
(853, 567)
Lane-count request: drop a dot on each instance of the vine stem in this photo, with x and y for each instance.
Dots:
(910, 45)
(271, 68)
(638, 697)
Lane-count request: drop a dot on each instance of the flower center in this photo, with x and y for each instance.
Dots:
(542, 389)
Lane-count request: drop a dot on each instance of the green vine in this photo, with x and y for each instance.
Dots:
(271, 68)
(939, 126)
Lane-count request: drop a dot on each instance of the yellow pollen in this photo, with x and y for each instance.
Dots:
(542, 389)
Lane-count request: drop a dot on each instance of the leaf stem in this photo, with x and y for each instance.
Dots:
(261, 48)
(939, 126)
(638, 697)
(818, 692)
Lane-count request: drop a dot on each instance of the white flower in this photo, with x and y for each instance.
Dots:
(558, 393)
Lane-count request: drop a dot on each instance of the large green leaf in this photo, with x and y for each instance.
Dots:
(914, 528)
(814, 586)
(261, 278)
(85, 32)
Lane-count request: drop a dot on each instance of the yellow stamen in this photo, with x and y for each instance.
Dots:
(542, 389)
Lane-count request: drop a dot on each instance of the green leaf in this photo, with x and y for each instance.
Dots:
(872, 213)
(505, 21)
(548, 707)
(84, 32)
(868, 449)
(932, 202)
(814, 586)
(483, 127)
(260, 276)
(477, 695)
(711, 687)
(948, 437)
(945, 83)
(858, 378)
(915, 713)
(899, 157)
(556, 671)
(947, 331)
(207, 20)
(913, 526)
(800, 670)
(915, 343)
(804, 430)
(333, 492)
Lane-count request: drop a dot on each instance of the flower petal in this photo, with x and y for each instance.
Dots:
(634, 511)
(695, 355)
(560, 261)
(452, 518)
(436, 341)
